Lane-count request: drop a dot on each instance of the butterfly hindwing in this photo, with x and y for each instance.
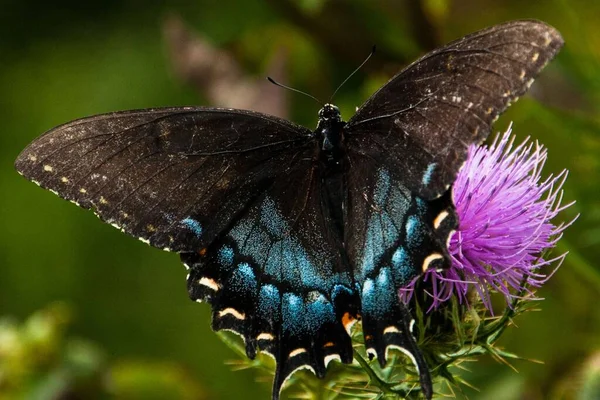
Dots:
(277, 278)
(423, 120)
(400, 236)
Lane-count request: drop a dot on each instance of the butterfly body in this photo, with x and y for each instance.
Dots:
(293, 235)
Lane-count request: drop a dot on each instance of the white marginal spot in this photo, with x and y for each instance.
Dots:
(236, 332)
(198, 301)
(297, 352)
(522, 75)
(372, 352)
(186, 266)
(167, 249)
(74, 202)
(54, 191)
(305, 366)
(402, 349)
(265, 336)
(411, 326)
(268, 353)
(141, 239)
(439, 219)
(209, 283)
(391, 329)
(529, 82)
(34, 181)
(431, 258)
(232, 311)
(48, 168)
(331, 358)
(535, 57)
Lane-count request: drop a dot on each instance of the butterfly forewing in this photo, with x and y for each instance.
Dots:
(422, 121)
(174, 177)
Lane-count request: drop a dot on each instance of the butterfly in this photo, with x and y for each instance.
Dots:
(293, 234)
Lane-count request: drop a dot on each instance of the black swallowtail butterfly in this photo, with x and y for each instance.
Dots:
(292, 234)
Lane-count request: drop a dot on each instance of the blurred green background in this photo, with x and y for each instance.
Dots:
(128, 320)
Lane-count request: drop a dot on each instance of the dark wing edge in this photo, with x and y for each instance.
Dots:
(449, 98)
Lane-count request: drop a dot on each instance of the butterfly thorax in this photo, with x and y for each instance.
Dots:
(329, 136)
(329, 133)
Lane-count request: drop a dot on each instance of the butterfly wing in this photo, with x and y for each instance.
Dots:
(277, 278)
(425, 117)
(404, 147)
(149, 172)
(238, 194)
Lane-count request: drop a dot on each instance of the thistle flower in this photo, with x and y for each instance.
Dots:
(505, 211)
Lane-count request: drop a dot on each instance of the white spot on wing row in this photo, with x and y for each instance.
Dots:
(209, 283)
(439, 219)
(232, 311)
(391, 329)
(265, 336)
(431, 258)
(297, 352)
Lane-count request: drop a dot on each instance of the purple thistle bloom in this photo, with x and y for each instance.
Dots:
(504, 208)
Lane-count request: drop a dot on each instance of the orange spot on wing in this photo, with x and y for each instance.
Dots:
(329, 344)
(347, 319)
(202, 252)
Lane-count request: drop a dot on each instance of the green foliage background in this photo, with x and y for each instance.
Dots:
(63, 60)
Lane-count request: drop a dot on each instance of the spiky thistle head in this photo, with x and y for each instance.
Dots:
(505, 209)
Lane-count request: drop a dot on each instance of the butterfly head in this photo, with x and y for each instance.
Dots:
(330, 112)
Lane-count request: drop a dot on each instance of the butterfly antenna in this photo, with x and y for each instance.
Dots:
(353, 72)
(274, 82)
